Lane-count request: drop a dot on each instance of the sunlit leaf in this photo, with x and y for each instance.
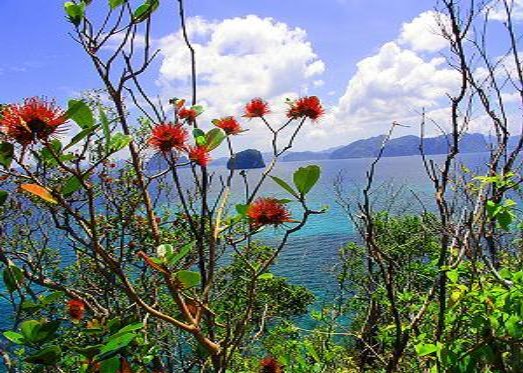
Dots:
(214, 138)
(39, 191)
(81, 113)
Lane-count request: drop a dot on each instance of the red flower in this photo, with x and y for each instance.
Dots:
(199, 155)
(266, 211)
(309, 107)
(189, 114)
(35, 119)
(167, 136)
(256, 108)
(229, 125)
(270, 365)
(76, 309)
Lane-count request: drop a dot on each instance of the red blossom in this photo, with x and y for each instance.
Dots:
(268, 211)
(309, 107)
(229, 125)
(270, 365)
(199, 155)
(76, 309)
(256, 108)
(167, 136)
(35, 119)
(189, 114)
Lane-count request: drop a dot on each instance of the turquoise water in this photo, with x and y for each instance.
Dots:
(311, 254)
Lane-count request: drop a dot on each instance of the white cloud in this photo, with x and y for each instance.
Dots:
(424, 32)
(238, 59)
(392, 85)
(498, 12)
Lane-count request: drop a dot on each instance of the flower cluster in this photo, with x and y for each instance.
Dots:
(229, 125)
(268, 211)
(270, 365)
(33, 120)
(76, 309)
(256, 108)
(309, 107)
(188, 114)
(167, 136)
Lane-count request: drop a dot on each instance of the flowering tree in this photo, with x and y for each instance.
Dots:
(139, 278)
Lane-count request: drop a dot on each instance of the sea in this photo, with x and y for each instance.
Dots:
(310, 258)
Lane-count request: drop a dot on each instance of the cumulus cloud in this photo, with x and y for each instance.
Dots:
(238, 59)
(403, 78)
(498, 12)
(424, 33)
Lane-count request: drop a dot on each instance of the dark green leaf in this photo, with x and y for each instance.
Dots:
(285, 186)
(81, 135)
(48, 356)
(241, 209)
(3, 196)
(13, 277)
(71, 185)
(111, 365)
(6, 154)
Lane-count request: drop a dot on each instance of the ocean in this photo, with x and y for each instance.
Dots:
(310, 256)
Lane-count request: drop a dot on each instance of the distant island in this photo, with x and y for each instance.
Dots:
(365, 148)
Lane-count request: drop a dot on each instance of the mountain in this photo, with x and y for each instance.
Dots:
(408, 145)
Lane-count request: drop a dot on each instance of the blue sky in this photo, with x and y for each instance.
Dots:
(344, 46)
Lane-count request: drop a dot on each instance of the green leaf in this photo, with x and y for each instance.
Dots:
(115, 3)
(14, 337)
(75, 12)
(81, 135)
(453, 276)
(126, 329)
(50, 154)
(305, 178)
(88, 351)
(28, 328)
(198, 109)
(176, 257)
(6, 154)
(118, 142)
(111, 365)
(285, 186)
(115, 345)
(3, 196)
(214, 138)
(45, 331)
(266, 276)
(423, 349)
(105, 127)
(53, 297)
(242, 209)
(188, 279)
(81, 113)
(71, 185)
(48, 356)
(13, 277)
(144, 11)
